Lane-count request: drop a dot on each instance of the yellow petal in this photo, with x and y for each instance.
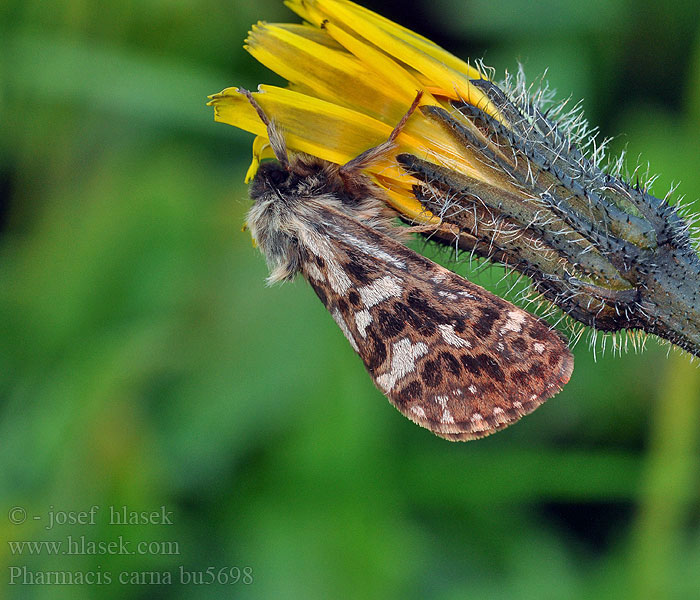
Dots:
(439, 66)
(311, 125)
(307, 10)
(330, 74)
(261, 150)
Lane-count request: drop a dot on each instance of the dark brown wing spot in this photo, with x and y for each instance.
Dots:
(420, 305)
(451, 364)
(484, 324)
(521, 378)
(431, 373)
(420, 322)
(536, 372)
(358, 270)
(471, 363)
(375, 354)
(390, 323)
(483, 363)
(409, 393)
(520, 344)
(460, 325)
(354, 298)
(494, 371)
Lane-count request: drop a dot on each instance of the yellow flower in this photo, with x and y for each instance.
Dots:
(352, 75)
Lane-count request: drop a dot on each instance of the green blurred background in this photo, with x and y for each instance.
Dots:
(144, 364)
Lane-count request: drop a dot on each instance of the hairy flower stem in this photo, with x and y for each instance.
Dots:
(607, 253)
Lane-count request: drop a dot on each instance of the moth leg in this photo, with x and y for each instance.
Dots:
(368, 157)
(277, 143)
(441, 227)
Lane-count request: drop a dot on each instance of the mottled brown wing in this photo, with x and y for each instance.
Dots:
(448, 354)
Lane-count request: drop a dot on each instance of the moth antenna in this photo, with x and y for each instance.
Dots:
(368, 157)
(277, 143)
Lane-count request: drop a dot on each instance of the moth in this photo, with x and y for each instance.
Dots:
(449, 355)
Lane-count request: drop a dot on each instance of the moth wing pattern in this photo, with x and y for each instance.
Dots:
(451, 356)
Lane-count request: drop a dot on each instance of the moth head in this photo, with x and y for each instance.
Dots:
(271, 179)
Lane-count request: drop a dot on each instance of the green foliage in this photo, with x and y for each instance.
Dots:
(143, 363)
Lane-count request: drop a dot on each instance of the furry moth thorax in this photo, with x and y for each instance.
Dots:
(285, 220)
